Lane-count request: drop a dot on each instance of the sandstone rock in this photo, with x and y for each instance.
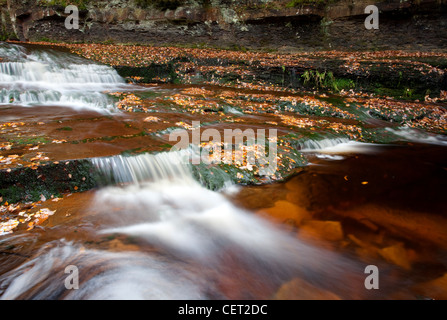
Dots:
(299, 289)
(123, 14)
(284, 211)
(369, 224)
(118, 245)
(411, 225)
(328, 230)
(435, 289)
(264, 24)
(365, 250)
(397, 255)
(357, 241)
(366, 254)
(139, 14)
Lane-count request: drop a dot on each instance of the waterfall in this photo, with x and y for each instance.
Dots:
(198, 233)
(409, 134)
(49, 73)
(189, 240)
(335, 146)
(309, 145)
(146, 168)
(51, 78)
(124, 276)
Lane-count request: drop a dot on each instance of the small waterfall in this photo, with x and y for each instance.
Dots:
(12, 52)
(166, 166)
(92, 100)
(50, 78)
(123, 276)
(335, 146)
(199, 234)
(47, 73)
(415, 135)
(310, 145)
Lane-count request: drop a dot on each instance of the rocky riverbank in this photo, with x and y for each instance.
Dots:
(283, 25)
(369, 97)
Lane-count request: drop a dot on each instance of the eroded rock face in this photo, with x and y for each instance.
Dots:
(261, 24)
(299, 289)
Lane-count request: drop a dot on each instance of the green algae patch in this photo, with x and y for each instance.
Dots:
(154, 73)
(25, 184)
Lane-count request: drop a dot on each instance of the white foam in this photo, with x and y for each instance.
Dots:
(122, 276)
(147, 167)
(329, 157)
(336, 146)
(415, 135)
(170, 211)
(166, 207)
(56, 79)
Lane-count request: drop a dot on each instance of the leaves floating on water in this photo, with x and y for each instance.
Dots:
(151, 119)
(8, 226)
(15, 215)
(39, 217)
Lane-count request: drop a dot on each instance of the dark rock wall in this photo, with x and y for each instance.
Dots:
(267, 24)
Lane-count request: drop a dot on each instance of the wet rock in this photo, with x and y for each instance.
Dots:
(334, 25)
(118, 245)
(396, 254)
(435, 289)
(366, 254)
(24, 184)
(357, 241)
(299, 289)
(369, 224)
(365, 251)
(285, 211)
(410, 225)
(328, 230)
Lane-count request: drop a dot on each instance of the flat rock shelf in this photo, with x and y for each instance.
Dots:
(118, 164)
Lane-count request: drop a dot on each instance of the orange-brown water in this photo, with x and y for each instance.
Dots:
(396, 222)
(310, 237)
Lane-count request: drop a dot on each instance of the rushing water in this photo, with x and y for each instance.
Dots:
(199, 235)
(154, 232)
(408, 134)
(49, 78)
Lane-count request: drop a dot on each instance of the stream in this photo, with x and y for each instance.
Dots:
(159, 233)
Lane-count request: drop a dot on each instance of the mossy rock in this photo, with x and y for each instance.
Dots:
(25, 184)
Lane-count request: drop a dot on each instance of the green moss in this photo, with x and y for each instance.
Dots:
(170, 4)
(298, 3)
(26, 184)
(147, 94)
(343, 84)
(151, 73)
(81, 4)
(326, 80)
(27, 141)
(131, 152)
(400, 93)
(65, 129)
(379, 135)
(111, 237)
(45, 39)
(160, 4)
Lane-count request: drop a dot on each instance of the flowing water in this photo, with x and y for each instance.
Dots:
(190, 239)
(157, 233)
(51, 78)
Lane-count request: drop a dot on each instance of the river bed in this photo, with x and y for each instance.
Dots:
(367, 192)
